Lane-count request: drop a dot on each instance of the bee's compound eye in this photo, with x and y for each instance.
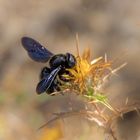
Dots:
(70, 60)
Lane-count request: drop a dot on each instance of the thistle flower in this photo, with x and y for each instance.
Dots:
(88, 74)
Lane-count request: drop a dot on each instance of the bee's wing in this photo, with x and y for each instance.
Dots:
(35, 50)
(46, 82)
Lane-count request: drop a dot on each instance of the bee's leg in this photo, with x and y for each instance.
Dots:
(57, 85)
(51, 89)
(63, 78)
(57, 88)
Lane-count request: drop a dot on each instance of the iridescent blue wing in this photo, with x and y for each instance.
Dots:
(46, 82)
(35, 50)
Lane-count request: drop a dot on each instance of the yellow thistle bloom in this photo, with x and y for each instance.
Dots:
(88, 76)
(87, 73)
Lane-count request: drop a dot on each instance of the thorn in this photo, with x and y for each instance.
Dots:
(138, 112)
(96, 60)
(126, 101)
(77, 44)
(105, 58)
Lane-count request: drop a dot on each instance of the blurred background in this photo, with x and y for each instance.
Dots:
(105, 26)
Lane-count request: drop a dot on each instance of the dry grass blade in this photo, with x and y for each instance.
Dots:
(63, 115)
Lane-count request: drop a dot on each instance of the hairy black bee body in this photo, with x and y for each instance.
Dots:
(45, 72)
(58, 64)
(66, 61)
(57, 60)
(47, 82)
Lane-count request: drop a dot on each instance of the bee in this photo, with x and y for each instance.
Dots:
(58, 63)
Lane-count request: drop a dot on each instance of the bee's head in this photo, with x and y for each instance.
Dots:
(70, 60)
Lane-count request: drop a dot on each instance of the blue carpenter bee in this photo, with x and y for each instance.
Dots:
(58, 64)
